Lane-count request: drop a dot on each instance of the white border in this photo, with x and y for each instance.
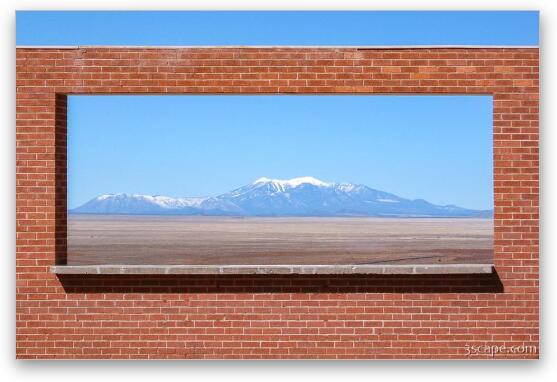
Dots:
(543, 370)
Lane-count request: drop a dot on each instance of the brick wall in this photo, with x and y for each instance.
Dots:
(272, 316)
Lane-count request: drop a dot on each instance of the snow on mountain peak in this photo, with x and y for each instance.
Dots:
(294, 182)
(160, 200)
(263, 180)
(105, 196)
(276, 197)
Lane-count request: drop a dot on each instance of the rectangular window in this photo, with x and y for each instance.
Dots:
(268, 180)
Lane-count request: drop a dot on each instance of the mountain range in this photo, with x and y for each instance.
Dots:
(305, 196)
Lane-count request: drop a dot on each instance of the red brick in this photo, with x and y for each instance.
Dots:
(273, 316)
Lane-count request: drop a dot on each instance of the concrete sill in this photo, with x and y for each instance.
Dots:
(423, 269)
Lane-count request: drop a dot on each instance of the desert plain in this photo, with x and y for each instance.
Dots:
(180, 240)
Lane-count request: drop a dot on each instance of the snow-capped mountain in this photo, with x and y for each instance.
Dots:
(305, 196)
(137, 204)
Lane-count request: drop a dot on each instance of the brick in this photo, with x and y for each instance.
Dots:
(273, 315)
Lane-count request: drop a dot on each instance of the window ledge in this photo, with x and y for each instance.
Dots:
(422, 269)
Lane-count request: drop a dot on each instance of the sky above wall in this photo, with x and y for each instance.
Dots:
(277, 28)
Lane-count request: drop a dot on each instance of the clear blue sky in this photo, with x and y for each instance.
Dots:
(277, 28)
(438, 148)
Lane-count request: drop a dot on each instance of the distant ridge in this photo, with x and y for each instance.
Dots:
(304, 196)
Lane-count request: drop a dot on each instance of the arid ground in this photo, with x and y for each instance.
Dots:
(120, 239)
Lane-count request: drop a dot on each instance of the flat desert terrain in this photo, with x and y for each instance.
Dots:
(121, 239)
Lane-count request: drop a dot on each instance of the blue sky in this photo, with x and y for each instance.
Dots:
(277, 28)
(438, 148)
